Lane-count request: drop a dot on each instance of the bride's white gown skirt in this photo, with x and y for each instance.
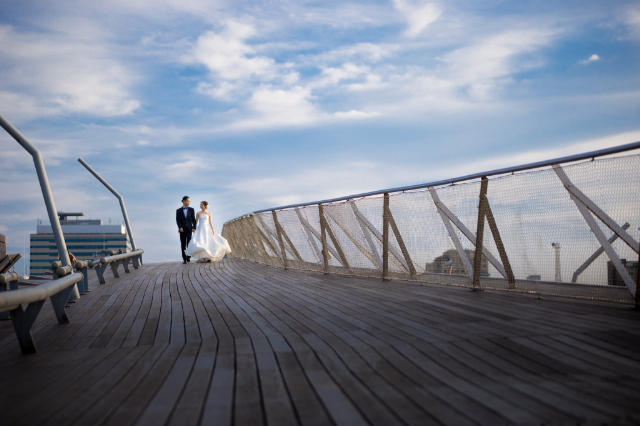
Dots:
(205, 245)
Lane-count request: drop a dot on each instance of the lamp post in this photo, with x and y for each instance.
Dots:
(44, 186)
(118, 196)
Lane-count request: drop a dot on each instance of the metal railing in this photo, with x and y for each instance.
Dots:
(118, 196)
(115, 260)
(58, 291)
(520, 228)
(44, 186)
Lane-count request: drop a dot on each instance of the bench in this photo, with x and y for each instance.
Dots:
(11, 301)
(115, 260)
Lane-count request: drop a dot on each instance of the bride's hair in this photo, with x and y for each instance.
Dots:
(206, 205)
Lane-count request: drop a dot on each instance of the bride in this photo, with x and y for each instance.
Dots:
(206, 245)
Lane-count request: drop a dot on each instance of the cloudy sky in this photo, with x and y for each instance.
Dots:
(255, 104)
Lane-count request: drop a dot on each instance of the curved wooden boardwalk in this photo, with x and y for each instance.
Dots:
(245, 344)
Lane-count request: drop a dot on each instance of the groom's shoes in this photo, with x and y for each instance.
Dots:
(184, 261)
(188, 258)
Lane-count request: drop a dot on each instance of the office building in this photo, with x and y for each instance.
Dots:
(86, 239)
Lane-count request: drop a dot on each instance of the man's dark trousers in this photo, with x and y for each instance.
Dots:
(185, 237)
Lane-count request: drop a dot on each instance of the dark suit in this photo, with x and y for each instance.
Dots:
(187, 224)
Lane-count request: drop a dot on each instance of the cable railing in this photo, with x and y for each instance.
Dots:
(567, 227)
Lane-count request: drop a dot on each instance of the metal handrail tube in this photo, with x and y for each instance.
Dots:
(9, 300)
(8, 277)
(118, 196)
(108, 259)
(64, 270)
(81, 264)
(44, 186)
(536, 165)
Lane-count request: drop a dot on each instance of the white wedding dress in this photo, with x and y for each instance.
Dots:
(204, 245)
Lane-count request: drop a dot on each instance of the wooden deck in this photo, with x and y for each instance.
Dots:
(245, 344)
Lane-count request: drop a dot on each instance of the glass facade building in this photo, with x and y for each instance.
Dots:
(85, 239)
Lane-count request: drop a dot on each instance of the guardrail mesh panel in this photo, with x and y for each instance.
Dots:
(546, 239)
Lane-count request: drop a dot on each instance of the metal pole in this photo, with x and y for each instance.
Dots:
(44, 186)
(118, 196)
(385, 237)
(477, 259)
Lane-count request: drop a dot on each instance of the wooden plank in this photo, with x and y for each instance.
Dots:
(337, 371)
(434, 386)
(275, 399)
(247, 407)
(189, 408)
(115, 401)
(218, 403)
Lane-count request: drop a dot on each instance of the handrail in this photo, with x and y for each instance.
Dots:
(135, 256)
(61, 245)
(9, 300)
(506, 170)
(8, 277)
(527, 206)
(12, 301)
(113, 258)
(118, 196)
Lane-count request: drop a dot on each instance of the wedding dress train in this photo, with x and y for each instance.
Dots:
(206, 246)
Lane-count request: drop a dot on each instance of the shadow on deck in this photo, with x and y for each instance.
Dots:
(240, 343)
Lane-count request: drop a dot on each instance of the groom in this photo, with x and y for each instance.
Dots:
(186, 220)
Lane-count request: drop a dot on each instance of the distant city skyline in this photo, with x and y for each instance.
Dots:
(251, 105)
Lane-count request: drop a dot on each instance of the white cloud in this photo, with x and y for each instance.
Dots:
(271, 107)
(62, 73)
(229, 57)
(592, 58)
(333, 76)
(481, 65)
(419, 15)
(633, 22)
(189, 168)
(365, 52)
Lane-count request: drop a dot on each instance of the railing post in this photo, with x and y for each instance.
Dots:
(310, 237)
(235, 237)
(403, 247)
(323, 235)
(477, 259)
(61, 245)
(280, 241)
(638, 283)
(118, 196)
(257, 238)
(385, 237)
(355, 242)
(585, 207)
(498, 240)
(247, 235)
(367, 236)
(336, 244)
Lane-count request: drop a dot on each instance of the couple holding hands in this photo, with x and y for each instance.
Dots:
(205, 245)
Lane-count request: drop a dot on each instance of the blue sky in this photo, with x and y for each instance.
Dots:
(251, 104)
